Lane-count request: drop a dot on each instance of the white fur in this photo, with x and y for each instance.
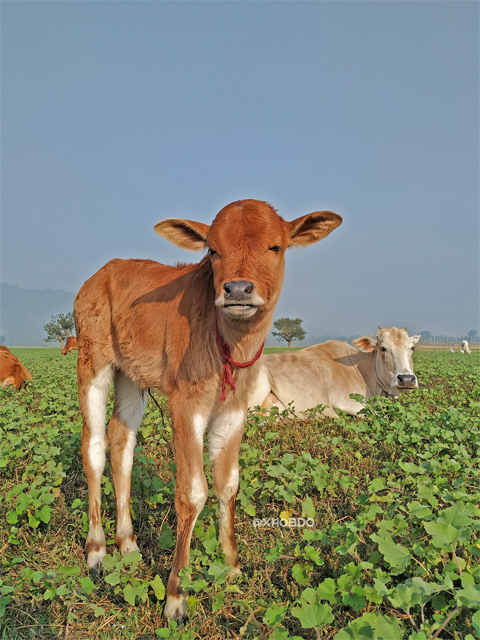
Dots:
(199, 427)
(131, 401)
(223, 428)
(198, 493)
(231, 486)
(261, 388)
(97, 411)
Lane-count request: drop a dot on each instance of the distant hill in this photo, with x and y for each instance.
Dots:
(23, 312)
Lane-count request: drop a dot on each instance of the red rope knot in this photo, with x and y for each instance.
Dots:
(226, 354)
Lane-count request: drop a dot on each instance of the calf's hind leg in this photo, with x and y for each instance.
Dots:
(93, 393)
(128, 410)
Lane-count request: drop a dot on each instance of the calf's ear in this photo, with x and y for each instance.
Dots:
(415, 339)
(184, 233)
(313, 227)
(365, 343)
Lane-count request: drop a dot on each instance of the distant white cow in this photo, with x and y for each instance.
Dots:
(465, 347)
(328, 373)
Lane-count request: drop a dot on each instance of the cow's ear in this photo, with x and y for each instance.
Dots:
(313, 227)
(415, 339)
(365, 343)
(184, 233)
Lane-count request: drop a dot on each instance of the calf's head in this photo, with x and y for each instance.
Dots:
(393, 358)
(246, 247)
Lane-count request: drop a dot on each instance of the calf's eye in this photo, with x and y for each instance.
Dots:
(212, 252)
(275, 249)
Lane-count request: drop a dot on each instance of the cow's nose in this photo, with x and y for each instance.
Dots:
(238, 290)
(406, 380)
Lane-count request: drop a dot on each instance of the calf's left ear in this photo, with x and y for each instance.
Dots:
(313, 227)
(415, 339)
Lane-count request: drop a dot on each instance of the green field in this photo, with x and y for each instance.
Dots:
(387, 542)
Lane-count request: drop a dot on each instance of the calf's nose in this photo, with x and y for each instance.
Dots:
(238, 290)
(406, 380)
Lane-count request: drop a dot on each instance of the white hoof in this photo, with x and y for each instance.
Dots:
(95, 558)
(234, 572)
(175, 608)
(128, 546)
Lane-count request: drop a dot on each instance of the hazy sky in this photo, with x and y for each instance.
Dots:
(115, 115)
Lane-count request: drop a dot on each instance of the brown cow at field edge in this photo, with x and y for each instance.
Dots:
(194, 332)
(328, 373)
(70, 345)
(12, 371)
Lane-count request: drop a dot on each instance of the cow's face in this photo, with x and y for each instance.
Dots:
(393, 359)
(246, 247)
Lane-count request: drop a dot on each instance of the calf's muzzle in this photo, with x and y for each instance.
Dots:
(238, 291)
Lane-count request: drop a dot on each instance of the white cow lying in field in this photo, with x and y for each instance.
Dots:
(328, 373)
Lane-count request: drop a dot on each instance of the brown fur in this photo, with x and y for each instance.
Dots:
(156, 325)
(12, 371)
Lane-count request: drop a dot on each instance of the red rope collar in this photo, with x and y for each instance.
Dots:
(226, 354)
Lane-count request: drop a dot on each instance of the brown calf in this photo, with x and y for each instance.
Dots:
(12, 371)
(70, 345)
(186, 330)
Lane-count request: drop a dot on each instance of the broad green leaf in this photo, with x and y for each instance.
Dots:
(86, 585)
(326, 590)
(308, 508)
(44, 513)
(476, 622)
(313, 616)
(383, 627)
(443, 534)
(397, 556)
(129, 593)
(98, 611)
(356, 599)
(469, 595)
(312, 554)
(274, 615)
(300, 574)
(158, 587)
(113, 578)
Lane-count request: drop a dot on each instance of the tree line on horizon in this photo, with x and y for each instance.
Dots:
(287, 330)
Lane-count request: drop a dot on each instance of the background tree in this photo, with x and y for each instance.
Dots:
(289, 330)
(60, 327)
(472, 334)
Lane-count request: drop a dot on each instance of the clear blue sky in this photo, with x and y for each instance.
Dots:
(115, 115)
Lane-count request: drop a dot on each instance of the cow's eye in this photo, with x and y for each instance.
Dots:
(275, 249)
(384, 350)
(212, 252)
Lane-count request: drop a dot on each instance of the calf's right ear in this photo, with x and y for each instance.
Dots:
(184, 233)
(313, 227)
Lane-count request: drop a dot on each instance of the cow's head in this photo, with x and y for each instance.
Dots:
(246, 247)
(393, 358)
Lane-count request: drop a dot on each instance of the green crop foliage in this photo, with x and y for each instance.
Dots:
(348, 528)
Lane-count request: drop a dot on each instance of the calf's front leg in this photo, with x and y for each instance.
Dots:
(225, 437)
(191, 492)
